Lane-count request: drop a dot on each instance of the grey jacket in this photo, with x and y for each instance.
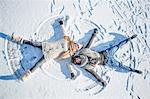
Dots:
(87, 55)
(89, 59)
(92, 58)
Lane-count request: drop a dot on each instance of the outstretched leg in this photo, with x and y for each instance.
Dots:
(20, 40)
(114, 48)
(113, 63)
(35, 44)
(38, 64)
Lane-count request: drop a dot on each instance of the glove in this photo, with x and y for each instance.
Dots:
(61, 22)
(104, 83)
(73, 76)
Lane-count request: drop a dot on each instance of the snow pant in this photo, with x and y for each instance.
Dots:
(113, 63)
(41, 60)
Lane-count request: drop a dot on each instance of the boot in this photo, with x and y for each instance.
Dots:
(16, 38)
(26, 75)
(136, 71)
(134, 36)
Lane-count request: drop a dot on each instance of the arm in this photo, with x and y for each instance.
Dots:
(63, 55)
(96, 76)
(72, 48)
(91, 39)
(71, 70)
(71, 51)
(90, 53)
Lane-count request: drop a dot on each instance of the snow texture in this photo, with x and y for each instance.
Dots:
(37, 20)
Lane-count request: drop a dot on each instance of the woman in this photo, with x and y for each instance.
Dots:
(88, 59)
(57, 50)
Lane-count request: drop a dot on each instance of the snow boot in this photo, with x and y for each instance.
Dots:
(136, 71)
(16, 38)
(26, 75)
(134, 36)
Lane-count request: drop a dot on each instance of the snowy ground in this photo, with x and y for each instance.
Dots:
(121, 18)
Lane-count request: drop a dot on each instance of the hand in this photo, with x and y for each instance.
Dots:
(104, 83)
(73, 47)
(61, 22)
(95, 31)
(73, 76)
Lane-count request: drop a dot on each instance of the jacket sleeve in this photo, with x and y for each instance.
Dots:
(90, 53)
(91, 71)
(70, 67)
(63, 55)
(89, 44)
(71, 49)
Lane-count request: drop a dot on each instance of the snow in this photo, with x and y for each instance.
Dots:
(115, 20)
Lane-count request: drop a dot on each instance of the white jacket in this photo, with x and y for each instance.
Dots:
(52, 50)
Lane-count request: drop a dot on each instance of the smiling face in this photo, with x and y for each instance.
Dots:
(76, 60)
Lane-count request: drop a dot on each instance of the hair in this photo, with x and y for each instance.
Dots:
(73, 60)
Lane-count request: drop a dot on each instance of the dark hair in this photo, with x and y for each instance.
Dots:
(73, 60)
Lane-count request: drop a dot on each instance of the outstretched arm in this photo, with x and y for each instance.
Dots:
(71, 51)
(63, 55)
(61, 22)
(91, 39)
(71, 71)
(91, 71)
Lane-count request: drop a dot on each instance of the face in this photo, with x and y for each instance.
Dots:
(77, 60)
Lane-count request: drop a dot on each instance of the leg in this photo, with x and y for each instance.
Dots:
(113, 63)
(91, 39)
(114, 48)
(38, 64)
(35, 44)
(20, 40)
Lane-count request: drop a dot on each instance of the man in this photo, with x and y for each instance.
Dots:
(57, 50)
(88, 59)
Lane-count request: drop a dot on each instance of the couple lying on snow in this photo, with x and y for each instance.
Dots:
(86, 59)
